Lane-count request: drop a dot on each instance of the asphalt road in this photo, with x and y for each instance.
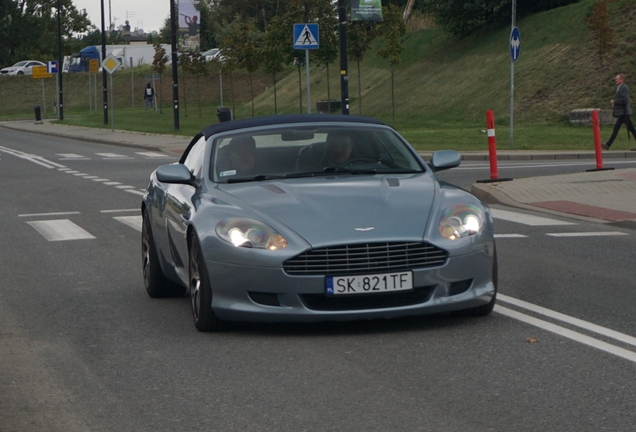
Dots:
(83, 348)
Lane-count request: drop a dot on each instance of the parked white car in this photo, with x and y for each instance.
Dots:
(21, 68)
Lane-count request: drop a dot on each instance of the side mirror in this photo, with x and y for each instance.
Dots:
(175, 173)
(445, 159)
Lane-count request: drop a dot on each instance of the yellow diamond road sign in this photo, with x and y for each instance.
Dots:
(111, 64)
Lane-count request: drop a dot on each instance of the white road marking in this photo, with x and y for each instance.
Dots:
(588, 234)
(113, 156)
(152, 155)
(510, 236)
(526, 219)
(71, 156)
(570, 334)
(568, 319)
(136, 192)
(60, 230)
(71, 172)
(31, 158)
(125, 187)
(112, 183)
(90, 177)
(49, 214)
(80, 174)
(131, 221)
(119, 211)
(100, 180)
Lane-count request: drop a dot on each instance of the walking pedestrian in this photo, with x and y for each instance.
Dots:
(622, 110)
(149, 97)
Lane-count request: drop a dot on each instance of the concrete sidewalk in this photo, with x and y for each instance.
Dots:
(599, 196)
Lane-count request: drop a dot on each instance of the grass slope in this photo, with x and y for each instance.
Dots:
(442, 88)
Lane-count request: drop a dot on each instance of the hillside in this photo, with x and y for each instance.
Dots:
(442, 79)
(446, 79)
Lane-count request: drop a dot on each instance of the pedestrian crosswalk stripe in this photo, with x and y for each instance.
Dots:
(526, 219)
(131, 221)
(136, 192)
(152, 154)
(113, 156)
(510, 236)
(60, 230)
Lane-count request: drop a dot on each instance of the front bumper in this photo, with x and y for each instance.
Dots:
(463, 282)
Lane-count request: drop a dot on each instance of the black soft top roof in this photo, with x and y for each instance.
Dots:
(285, 119)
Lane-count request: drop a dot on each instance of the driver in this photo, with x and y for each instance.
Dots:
(339, 149)
(242, 154)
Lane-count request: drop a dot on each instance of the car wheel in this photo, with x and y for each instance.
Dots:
(157, 285)
(487, 308)
(200, 290)
(20, 73)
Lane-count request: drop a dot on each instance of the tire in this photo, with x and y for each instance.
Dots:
(487, 308)
(157, 285)
(20, 73)
(200, 290)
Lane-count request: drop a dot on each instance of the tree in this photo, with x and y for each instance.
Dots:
(240, 42)
(28, 29)
(272, 51)
(462, 17)
(598, 23)
(392, 28)
(328, 27)
(159, 63)
(360, 34)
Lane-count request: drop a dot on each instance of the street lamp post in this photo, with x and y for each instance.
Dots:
(175, 65)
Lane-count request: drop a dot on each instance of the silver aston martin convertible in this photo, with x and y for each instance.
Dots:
(313, 218)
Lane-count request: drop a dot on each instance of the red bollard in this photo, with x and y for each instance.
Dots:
(492, 150)
(596, 126)
(492, 144)
(597, 140)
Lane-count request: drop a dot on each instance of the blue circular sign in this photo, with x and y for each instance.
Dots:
(515, 44)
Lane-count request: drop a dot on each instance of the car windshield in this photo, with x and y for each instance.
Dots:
(310, 151)
(22, 63)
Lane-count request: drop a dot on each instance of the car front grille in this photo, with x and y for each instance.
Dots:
(365, 258)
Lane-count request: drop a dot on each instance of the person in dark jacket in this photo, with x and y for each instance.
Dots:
(621, 110)
(149, 97)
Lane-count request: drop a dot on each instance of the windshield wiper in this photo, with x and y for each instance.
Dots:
(260, 177)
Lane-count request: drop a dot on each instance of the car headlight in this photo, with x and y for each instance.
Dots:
(250, 233)
(461, 221)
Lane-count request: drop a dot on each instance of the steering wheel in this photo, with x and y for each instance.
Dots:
(355, 160)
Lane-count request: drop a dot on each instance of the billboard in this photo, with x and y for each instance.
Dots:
(366, 10)
(189, 25)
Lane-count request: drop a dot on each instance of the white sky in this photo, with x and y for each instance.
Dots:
(146, 14)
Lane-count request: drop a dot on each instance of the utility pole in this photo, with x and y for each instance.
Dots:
(344, 78)
(60, 59)
(104, 77)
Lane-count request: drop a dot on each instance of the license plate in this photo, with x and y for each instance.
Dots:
(366, 284)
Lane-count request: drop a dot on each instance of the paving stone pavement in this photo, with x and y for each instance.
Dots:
(602, 196)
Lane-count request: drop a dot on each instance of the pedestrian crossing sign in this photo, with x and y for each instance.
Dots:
(306, 36)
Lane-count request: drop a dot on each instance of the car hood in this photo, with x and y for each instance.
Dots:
(343, 209)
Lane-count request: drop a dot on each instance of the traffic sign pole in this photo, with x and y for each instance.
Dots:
(512, 71)
(306, 36)
(308, 90)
